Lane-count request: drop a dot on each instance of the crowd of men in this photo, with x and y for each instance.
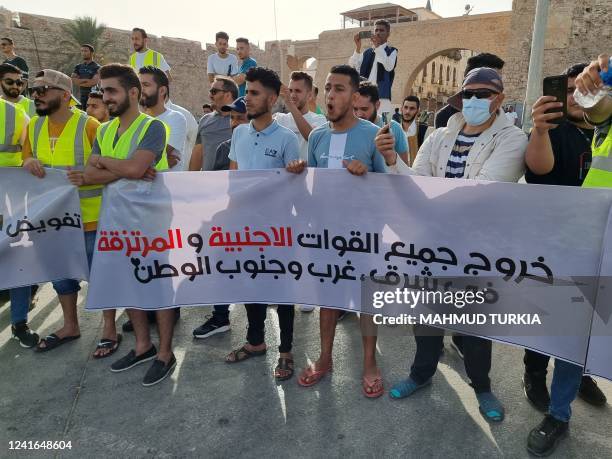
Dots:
(127, 127)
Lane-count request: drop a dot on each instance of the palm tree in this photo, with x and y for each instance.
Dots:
(85, 29)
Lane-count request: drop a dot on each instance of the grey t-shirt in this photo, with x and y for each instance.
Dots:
(222, 160)
(212, 130)
(154, 141)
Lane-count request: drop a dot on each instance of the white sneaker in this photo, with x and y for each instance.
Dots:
(305, 308)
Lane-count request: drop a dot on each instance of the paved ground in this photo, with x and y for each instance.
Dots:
(211, 409)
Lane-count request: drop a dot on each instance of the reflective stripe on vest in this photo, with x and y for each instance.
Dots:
(151, 58)
(12, 119)
(600, 173)
(128, 141)
(70, 152)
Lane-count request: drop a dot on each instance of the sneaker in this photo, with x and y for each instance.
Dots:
(158, 372)
(211, 327)
(26, 337)
(305, 308)
(457, 345)
(490, 407)
(534, 386)
(543, 440)
(590, 393)
(131, 360)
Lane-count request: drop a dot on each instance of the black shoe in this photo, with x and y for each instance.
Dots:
(211, 327)
(590, 393)
(26, 337)
(131, 360)
(543, 440)
(158, 372)
(534, 386)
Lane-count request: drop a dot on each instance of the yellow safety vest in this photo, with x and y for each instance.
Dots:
(12, 120)
(28, 106)
(600, 173)
(72, 150)
(127, 144)
(151, 58)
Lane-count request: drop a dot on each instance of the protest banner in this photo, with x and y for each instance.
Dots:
(41, 233)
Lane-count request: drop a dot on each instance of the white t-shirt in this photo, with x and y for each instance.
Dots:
(162, 61)
(286, 120)
(178, 133)
(227, 66)
(192, 133)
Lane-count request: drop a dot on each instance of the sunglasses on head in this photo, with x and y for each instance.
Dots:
(41, 90)
(10, 82)
(214, 91)
(478, 93)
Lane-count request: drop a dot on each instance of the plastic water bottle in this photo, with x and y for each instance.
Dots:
(590, 100)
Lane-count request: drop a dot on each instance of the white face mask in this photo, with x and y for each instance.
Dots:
(476, 111)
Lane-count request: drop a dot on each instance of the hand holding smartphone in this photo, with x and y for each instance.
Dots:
(556, 86)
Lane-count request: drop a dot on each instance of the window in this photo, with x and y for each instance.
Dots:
(433, 72)
(440, 76)
(447, 74)
(455, 77)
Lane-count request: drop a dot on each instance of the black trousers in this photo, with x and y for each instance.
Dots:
(256, 314)
(476, 351)
(536, 364)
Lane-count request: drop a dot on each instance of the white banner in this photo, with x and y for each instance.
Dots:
(327, 238)
(41, 234)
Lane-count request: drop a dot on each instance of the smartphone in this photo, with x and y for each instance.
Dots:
(365, 34)
(557, 86)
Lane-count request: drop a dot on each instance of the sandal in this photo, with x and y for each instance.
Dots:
(52, 341)
(109, 345)
(284, 365)
(309, 376)
(242, 354)
(373, 387)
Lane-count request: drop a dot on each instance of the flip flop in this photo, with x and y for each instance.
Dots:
(284, 364)
(242, 354)
(373, 387)
(52, 341)
(313, 375)
(109, 344)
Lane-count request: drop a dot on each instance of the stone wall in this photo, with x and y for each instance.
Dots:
(44, 44)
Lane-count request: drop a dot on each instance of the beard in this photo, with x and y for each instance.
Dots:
(373, 118)
(120, 108)
(149, 101)
(11, 92)
(406, 119)
(52, 107)
(138, 48)
(256, 115)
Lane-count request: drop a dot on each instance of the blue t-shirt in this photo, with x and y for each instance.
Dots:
(272, 148)
(401, 144)
(248, 63)
(359, 145)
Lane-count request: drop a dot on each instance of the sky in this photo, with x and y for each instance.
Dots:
(254, 19)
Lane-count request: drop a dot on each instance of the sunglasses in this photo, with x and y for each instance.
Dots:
(478, 93)
(10, 82)
(215, 91)
(40, 91)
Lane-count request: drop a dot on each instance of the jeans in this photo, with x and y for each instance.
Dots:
(221, 313)
(476, 352)
(536, 364)
(564, 388)
(20, 303)
(70, 286)
(256, 314)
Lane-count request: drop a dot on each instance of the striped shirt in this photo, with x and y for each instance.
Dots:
(455, 167)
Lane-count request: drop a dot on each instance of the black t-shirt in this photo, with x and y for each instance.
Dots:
(20, 63)
(571, 148)
(86, 71)
(443, 115)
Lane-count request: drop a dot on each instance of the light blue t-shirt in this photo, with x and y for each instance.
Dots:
(248, 63)
(272, 148)
(359, 145)
(401, 144)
